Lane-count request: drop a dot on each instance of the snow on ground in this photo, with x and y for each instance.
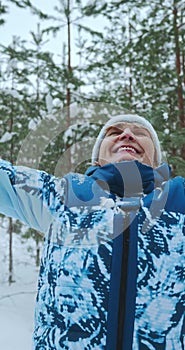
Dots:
(17, 300)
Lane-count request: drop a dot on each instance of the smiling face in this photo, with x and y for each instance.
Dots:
(127, 141)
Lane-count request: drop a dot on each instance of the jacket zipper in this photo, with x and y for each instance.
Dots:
(128, 205)
(123, 282)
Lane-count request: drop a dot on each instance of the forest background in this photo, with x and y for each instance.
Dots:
(79, 63)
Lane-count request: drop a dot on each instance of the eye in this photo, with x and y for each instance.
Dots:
(113, 132)
(140, 132)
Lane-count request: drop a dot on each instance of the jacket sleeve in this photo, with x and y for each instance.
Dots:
(29, 195)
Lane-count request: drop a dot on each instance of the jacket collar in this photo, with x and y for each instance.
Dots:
(129, 178)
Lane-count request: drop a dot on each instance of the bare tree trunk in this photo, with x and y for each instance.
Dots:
(37, 250)
(10, 269)
(69, 69)
(68, 61)
(179, 69)
(10, 228)
(38, 71)
(183, 59)
(11, 156)
(130, 66)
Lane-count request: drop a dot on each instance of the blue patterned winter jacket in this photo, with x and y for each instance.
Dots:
(113, 265)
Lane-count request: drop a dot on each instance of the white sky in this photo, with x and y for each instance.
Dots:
(20, 22)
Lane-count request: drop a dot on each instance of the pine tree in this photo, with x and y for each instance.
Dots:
(139, 65)
(3, 12)
(12, 116)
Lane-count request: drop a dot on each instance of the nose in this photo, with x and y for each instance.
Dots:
(127, 134)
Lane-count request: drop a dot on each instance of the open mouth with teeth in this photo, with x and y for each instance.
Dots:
(128, 149)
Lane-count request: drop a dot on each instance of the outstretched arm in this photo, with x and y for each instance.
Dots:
(29, 195)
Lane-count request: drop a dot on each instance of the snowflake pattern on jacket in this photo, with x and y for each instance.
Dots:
(73, 302)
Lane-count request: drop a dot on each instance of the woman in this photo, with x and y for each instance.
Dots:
(111, 274)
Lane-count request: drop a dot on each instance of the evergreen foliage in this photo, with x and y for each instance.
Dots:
(114, 56)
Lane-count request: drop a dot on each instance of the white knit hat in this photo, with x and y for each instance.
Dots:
(128, 118)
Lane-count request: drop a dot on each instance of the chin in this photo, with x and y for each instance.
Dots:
(127, 159)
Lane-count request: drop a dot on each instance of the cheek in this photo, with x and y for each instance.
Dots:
(150, 151)
(102, 150)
